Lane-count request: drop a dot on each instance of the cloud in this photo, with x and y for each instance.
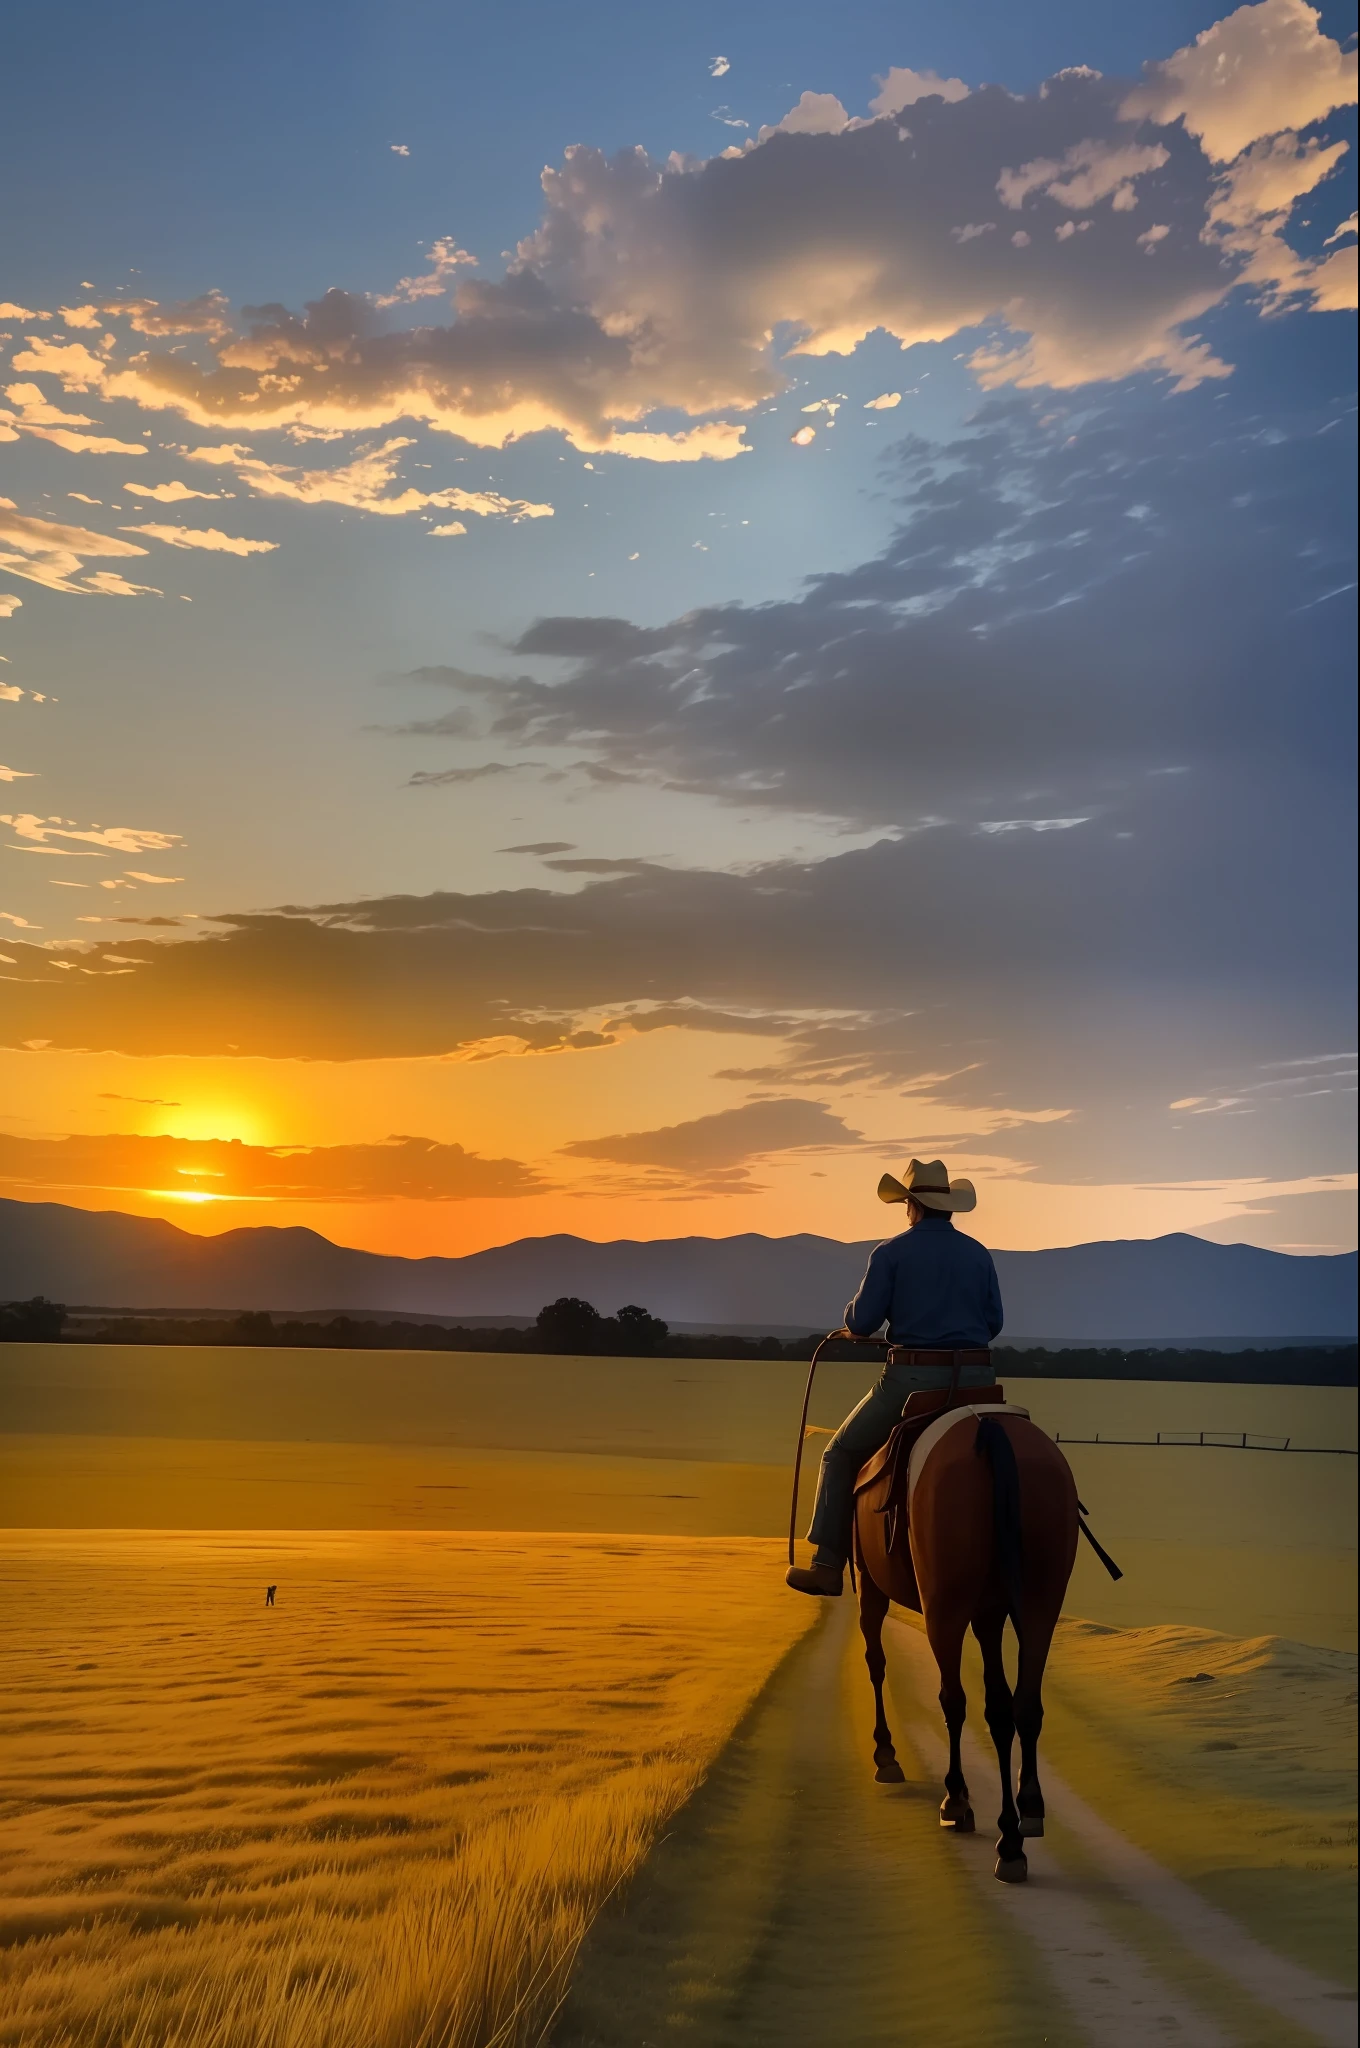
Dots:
(714, 441)
(541, 846)
(363, 484)
(105, 583)
(434, 778)
(1084, 175)
(401, 1169)
(719, 68)
(16, 774)
(49, 422)
(37, 411)
(1250, 211)
(115, 838)
(209, 314)
(995, 982)
(885, 401)
(205, 537)
(71, 362)
(729, 1138)
(1022, 648)
(9, 605)
(1258, 71)
(167, 494)
(446, 259)
(48, 552)
(902, 87)
(1031, 824)
(817, 113)
(658, 286)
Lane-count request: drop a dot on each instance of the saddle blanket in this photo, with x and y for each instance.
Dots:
(933, 1431)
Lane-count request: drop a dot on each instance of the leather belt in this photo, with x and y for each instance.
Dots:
(948, 1361)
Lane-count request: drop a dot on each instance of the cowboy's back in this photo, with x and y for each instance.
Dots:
(938, 1292)
(934, 1287)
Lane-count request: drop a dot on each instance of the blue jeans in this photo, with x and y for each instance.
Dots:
(865, 1430)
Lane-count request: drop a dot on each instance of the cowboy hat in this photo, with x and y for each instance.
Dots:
(929, 1185)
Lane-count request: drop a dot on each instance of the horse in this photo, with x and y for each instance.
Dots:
(992, 1531)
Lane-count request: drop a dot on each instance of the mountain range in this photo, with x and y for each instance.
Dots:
(1171, 1290)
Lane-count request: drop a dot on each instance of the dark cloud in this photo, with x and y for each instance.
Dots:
(404, 1168)
(444, 676)
(1078, 603)
(989, 979)
(433, 777)
(730, 1137)
(540, 846)
(591, 864)
(458, 724)
(583, 637)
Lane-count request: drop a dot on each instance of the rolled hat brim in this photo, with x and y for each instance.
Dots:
(962, 1195)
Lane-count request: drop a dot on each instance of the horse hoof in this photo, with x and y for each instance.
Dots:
(1012, 1870)
(890, 1773)
(959, 1818)
(1031, 1824)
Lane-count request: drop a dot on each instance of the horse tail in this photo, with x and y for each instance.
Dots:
(994, 1445)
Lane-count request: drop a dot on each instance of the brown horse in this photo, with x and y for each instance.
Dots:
(993, 1532)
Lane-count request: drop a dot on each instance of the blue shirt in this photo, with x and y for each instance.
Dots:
(935, 1287)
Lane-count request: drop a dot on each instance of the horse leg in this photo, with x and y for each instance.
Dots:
(873, 1608)
(1029, 1719)
(947, 1643)
(1011, 1866)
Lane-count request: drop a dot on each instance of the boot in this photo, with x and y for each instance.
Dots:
(824, 1579)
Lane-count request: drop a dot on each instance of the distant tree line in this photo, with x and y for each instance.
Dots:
(572, 1327)
(38, 1321)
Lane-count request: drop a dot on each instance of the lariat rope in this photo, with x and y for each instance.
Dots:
(831, 1337)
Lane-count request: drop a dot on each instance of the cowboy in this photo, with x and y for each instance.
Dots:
(937, 1290)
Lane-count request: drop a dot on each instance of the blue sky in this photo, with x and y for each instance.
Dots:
(928, 637)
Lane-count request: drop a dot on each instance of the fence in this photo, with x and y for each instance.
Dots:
(1215, 1440)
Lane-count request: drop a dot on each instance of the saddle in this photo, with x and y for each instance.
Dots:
(882, 1481)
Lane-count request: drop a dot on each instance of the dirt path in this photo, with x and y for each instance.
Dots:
(797, 1904)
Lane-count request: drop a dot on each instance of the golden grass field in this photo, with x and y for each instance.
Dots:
(190, 1437)
(387, 1810)
(381, 1813)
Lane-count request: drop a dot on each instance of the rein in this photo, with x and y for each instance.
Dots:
(831, 1337)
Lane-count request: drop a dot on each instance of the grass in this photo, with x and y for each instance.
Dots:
(1229, 1759)
(379, 1815)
